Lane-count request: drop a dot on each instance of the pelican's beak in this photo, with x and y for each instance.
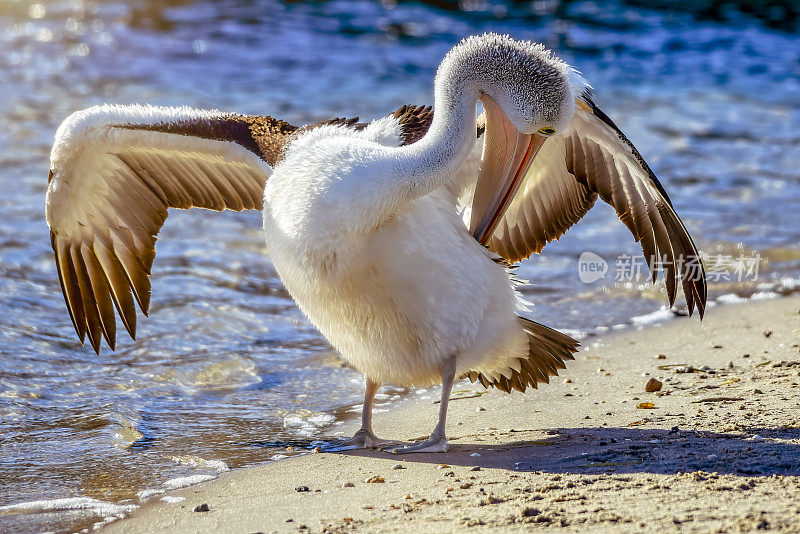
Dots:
(507, 156)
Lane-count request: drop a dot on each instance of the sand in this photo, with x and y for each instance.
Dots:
(718, 451)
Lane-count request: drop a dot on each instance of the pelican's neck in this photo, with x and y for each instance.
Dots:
(439, 154)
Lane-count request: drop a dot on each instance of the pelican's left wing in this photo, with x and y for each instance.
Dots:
(114, 172)
(593, 157)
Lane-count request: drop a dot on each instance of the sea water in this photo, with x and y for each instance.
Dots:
(226, 372)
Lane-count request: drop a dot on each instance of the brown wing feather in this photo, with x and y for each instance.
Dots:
(593, 158)
(339, 121)
(548, 349)
(414, 122)
(642, 205)
(264, 136)
(109, 196)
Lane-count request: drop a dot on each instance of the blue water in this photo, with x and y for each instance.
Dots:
(226, 367)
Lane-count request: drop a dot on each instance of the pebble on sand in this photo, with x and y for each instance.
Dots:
(202, 508)
(645, 405)
(375, 480)
(398, 466)
(302, 489)
(653, 385)
(348, 485)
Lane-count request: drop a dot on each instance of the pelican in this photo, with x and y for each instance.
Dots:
(397, 238)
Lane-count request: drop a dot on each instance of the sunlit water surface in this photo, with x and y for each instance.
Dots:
(226, 369)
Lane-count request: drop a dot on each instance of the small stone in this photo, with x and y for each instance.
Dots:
(767, 333)
(745, 355)
(301, 489)
(653, 385)
(480, 409)
(290, 520)
(367, 507)
(443, 466)
(398, 466)
(202, 508)
(758, 392)
(661, 356)
(716, 346)
(568, 381)
(375, 480)
(348, 485)
(645, 405)
(476, 468)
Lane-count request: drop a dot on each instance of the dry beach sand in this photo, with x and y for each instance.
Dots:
(718, 451)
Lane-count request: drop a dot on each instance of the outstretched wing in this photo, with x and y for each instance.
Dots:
(592, 158)
(114, 172)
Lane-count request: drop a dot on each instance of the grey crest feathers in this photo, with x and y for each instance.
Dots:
(530, 83)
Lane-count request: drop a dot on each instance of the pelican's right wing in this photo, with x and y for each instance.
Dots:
(593, 158)
(114, 172)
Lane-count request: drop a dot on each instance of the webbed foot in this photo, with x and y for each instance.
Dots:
(432, 444)
(363, 439)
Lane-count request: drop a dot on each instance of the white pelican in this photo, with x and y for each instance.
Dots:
(396, 237)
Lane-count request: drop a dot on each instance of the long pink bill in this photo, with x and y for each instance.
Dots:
(507, 156)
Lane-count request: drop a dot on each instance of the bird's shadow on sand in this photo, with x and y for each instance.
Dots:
(750, 452)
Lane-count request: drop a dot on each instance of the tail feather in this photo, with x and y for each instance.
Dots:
(547, 351)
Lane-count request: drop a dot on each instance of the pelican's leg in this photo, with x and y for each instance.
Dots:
(437, 442)
(365, 437)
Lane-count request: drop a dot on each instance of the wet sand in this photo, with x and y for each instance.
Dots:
(717, 449)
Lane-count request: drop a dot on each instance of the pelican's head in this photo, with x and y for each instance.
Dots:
(535, 89)
(527, 93)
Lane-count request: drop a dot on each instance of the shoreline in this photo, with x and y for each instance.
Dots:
(576, 454)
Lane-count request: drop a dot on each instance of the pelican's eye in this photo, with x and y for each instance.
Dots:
(547, 130)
